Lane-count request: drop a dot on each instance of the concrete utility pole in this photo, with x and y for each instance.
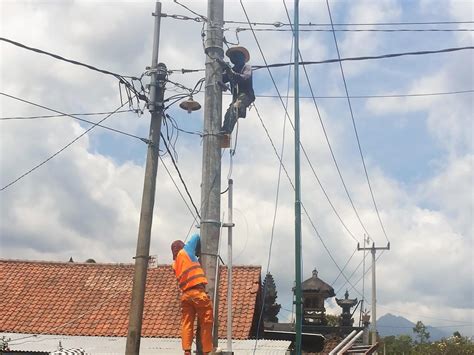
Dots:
(155, 105)
(211, 156)
(373, 250)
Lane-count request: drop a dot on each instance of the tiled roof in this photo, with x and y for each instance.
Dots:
(93, 299)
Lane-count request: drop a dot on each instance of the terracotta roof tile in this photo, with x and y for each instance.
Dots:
(94, 299)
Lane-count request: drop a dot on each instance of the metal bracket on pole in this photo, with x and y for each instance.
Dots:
(142, 257)
(211, 221)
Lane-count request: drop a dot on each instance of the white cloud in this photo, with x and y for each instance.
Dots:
(85, 203)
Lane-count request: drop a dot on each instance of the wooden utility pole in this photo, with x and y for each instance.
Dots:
(211, 157)
(155, 105)
(373, 250)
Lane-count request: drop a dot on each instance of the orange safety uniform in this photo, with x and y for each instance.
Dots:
(194, 300)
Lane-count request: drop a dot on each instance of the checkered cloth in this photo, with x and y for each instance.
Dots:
(69, 352)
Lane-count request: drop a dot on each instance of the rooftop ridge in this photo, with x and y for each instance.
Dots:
(53, 262)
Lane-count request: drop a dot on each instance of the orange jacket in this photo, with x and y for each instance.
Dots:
(188, 272)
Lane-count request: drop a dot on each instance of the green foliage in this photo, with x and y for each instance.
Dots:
(403, 344)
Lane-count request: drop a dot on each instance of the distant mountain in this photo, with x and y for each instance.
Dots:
(396, 325)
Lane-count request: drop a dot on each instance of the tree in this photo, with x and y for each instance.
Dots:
(421, 333)
(402, 344)
(270, 308)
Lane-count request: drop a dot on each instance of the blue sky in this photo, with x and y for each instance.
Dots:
(418, 150)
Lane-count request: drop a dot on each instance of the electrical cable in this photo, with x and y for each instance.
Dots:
(331, 151)
(376, 96)
(177, 188)
(121, 78)
(281, 100)
(61, 115)
(59, 151)
(242, 29)
(180, 176)
(302, 205)
(344, 267)
(275, 210)
(191, 11)
(281, 24)
(56, 56)
(382, 56)
(96, 124)
(302, 147)
(354, 124)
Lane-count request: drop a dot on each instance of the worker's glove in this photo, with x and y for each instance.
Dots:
(222, 63)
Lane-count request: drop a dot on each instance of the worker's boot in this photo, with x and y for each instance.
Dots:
(187, 352)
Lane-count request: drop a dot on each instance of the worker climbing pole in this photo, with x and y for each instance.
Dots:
(241, 86)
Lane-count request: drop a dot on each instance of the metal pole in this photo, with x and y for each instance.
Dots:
(230, 225)
(211, 160)
(363, 286)
(374, 299)
(298, 323)
(157, 84)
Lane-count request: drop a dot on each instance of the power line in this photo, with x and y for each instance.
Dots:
(130, 87)
(327, 61)
(382, 56)
(242, 29)
(75, 62)
(59, 151)
(180, 176)
(376, 96)
(96, 124)
(61, 115)
(275, 210)
(302, 205)
(281, 100)
(310, 24)
(302, 147)
(354, 124)
(177, 188)
(344, 267)
(373, 96)
(330, 149)
(277, 24)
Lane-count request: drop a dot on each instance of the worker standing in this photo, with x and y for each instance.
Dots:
(194, 300)
(240, 79)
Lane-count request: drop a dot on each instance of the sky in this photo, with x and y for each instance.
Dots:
(418, 150)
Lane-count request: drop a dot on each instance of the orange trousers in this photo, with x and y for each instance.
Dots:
(196, 302)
